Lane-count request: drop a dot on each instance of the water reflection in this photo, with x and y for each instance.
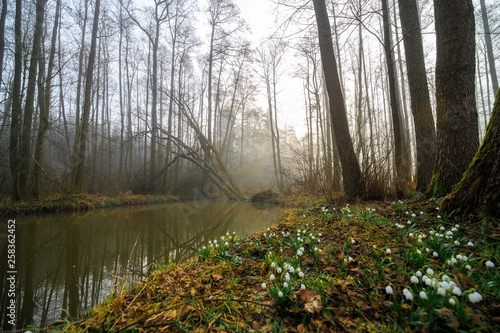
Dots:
(68, 262)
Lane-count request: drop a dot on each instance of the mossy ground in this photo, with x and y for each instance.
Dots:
(326, 268)
(75, 202)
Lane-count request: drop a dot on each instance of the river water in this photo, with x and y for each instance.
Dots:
(68, 262)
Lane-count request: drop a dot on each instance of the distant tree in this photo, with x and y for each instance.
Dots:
(3, 17)
(352, 179)
(479, 189)
(425, 131)
(82, 135)
(25, 152)
(15, 127)
(457, 130)
(401, 163)
(489, 46)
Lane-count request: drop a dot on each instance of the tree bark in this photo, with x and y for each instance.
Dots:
(425, 132)
(479, 189)
(3, 16)
(457, 132)
(79, 172)
(353, 181)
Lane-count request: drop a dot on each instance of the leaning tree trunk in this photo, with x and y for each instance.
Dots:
(479, 189)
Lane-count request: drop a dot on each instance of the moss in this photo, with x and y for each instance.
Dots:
(436, 187)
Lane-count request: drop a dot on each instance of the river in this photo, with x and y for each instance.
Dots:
(68, 262)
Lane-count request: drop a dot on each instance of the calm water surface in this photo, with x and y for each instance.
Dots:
(68, 262)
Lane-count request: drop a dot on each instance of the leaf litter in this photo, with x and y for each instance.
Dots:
(324, 268)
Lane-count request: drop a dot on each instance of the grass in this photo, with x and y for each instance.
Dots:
(325, 268)
(76, 202)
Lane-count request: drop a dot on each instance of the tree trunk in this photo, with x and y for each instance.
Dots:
(25, 153)
(425, 132)
(479, 189)
(15, 127)
(353, 182)
(79, 173)
(400, 160)
(457, 132)
(3, 16)
(44, 112)
(489, 47)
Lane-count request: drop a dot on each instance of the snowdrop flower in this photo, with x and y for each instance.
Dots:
(279, 270)
(418, 273)
(442, 228)
(435, 254)
(432, 232)
(427, 250)
(263, 285)
(315, 249)
(439, 216)
(489, 264)
(299, 253)
(291, 269)
(425, 278)
(271, 277)
(320, 234)
(445, 285)
(409, 222)
(216, 245)
(414, 279)
(457, 291)
(418, 251)
(421, 213)
(420, 241)
(467, 267)
(449, 233)
(456, 242)
(280, 294)
(430, 271)
(302, 286)
(389, 290)
(437, 208)
(273, 264)
(413, 215)
(408, 294)
(353, 241)
(454, 229)
(287, 277)
(285, 285)
(411, 234)
(423, 295)
(350, 259)
(470, 244)
(226, 243)
(453, 261)
(301, 249)
(475, 297)
(452, 301)
(407, 213)
(388, 251)
(215, 241)
(301, 274)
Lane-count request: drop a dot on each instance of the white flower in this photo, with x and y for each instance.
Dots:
(470, 244)
(421, 213)
(287, 277)
(271, 277)
(315, 249)
(457, 291)
(299, 253)
(302, 286)
(301, 274)
(302, 249)
(291, 269)
(409, 222)
(418, 251)
(273, 264)
(432, 232)
(280, 294)
(279, 270)
(388, 251)
(418, 273)
(413, 215)
(285, 285)
(467, 267)
(439, 216)
(263, 285)
(456, 242)
(423, 295)
(475, 297)
(427, 250)
(408, 295)
(430, 271)
(489, 264)
(442, 228)
(437, 208)
(389, 290)
(215, 241)
(411, 234)
(435, 254)
(445, 277)
(374, 246)
(414, 279)
(453, 261)
(353, 241)
(420, 241)
(445, 285)
(320, 234)
(226, 243)
(350, 259)
(425, 278)
(441, 291)
(452, 301)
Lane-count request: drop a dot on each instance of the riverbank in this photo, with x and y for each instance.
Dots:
(382, 266)
(76, 202)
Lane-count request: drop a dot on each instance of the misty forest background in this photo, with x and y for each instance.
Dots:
(167, 96)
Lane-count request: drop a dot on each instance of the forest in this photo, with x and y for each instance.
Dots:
(375, 124)
(169, 96)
